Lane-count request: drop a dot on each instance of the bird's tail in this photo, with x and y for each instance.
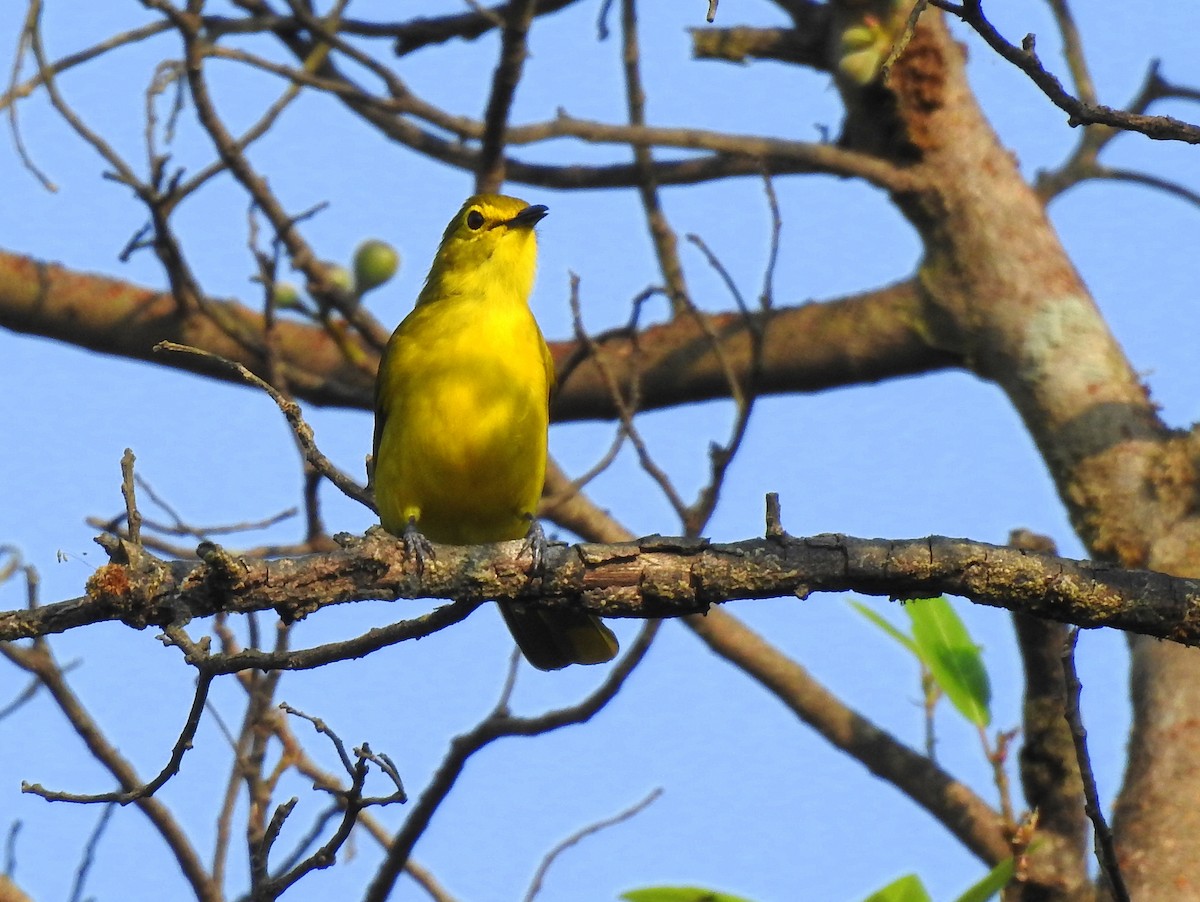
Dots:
(551, 640)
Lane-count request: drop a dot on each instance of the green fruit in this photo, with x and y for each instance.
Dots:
(862, 66)
(287, 295)
(859, 37)
(341, 279)
(862, 49)
(375, 262)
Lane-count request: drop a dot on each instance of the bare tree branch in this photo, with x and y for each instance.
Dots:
(142, 791)
(39, 661)
(539, 876)
(1084, 161)
(300, 429)
(967, 816)
(1079, 112)
(865, 338)
(662, 236)
(518, 15)
(1102, 836)
(18, 91)
(498, 724)
(417, 33)
(737, 44)
(1048, 766)
(89, 854)
(231, 154)
(652, 577)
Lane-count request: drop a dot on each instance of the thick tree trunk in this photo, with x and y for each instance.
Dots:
(1002, 294)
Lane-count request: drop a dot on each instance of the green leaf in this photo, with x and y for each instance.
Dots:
(678, 894)
(908, 888)
(876, 618)
(946, 649)
(995, 880)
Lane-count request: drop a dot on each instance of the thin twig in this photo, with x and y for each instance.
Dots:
(499, 723)
(30, 691)
(268, 265)
(743, 394)
(705, 326)
(113, 527)
(20, 91)
(539, 876)
(931, 694)
(997, 757)
(1174, 189)
(298, 758)
(231, 154)
(662, 236)
(183, 744)
(1073, 50)
(32, 15)
(901, 43)
(254, 132)
(351, 802)
(38, 660)
(260, 786)
(421, 875)
(742, 154)
(180, 527)
(767, 299)
(625, 408)
(1084, 164)
(291, 411)
(349, 649)
(1079, 112)
(490, 172)
(133, 516)
(417, 33)
(10, 849)
(45, 71)
(1106, 853)
(89, 853)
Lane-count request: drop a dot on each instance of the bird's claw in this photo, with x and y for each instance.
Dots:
(416, 546)
(535, 547)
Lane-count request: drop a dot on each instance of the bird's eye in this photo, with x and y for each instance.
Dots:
(474, 220)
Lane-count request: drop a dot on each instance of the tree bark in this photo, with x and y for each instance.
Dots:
(1002, 293)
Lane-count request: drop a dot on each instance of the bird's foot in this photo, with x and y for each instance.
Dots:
(535, 547)
(416, 546)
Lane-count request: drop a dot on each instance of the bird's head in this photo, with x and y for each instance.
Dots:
(489, 244)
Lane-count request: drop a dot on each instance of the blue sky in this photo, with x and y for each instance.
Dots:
(753, 802)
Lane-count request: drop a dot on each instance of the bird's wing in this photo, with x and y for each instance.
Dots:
(548, 363)
(381, 412)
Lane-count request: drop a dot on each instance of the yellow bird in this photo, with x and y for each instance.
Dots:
(462, 411)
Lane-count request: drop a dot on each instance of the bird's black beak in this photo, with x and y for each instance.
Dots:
(529, 217)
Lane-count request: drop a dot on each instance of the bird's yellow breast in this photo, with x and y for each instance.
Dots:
(464, 391)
